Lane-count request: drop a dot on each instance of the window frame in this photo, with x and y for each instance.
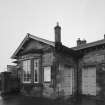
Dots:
(44, 74)
(26, 68)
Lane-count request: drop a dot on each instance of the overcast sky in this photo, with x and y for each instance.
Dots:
(83, 19)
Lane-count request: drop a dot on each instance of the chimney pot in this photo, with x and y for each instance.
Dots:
(83, 41)
(104, 36)
(78, 42)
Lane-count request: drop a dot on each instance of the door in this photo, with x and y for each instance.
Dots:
(89, 81)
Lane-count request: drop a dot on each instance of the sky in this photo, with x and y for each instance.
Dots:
(83, 19)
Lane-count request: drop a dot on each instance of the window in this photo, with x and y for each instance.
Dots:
(26, 71)
(89, 80)
(68, 79)
(47, 74)
(36, 70)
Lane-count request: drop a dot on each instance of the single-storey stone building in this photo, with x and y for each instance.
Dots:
(53, 70)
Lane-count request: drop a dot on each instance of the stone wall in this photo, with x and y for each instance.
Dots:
(42, 88)
(47, 59)
(101, 81)
(9, 83)
(96, 59)
(66, 79)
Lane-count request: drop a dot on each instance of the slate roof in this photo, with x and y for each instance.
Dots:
(41, 39)
(67, 49)
(92, 44)
(29, 36)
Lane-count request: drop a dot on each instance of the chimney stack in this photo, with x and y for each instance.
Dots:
(57, 34)
(81, 42)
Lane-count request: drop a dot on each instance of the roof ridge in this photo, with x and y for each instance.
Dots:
(40, 39)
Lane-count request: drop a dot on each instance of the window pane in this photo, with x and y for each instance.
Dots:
(47, 74)
(36, 70)
(26, 71)
(35, 75)
(89, 80)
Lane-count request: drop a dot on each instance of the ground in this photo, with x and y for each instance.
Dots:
(26, 100)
